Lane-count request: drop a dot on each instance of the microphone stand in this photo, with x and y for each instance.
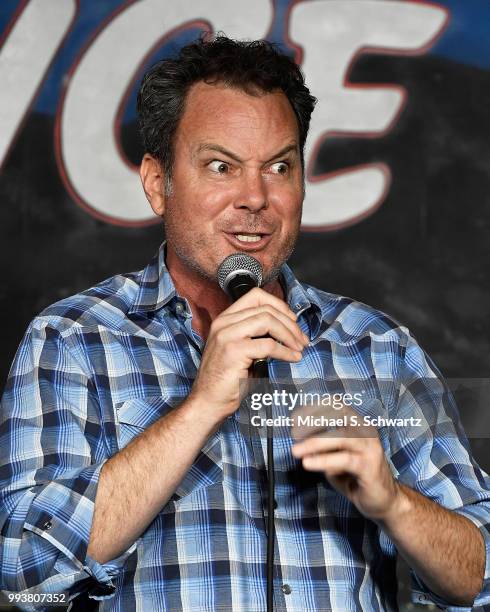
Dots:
(260, 370)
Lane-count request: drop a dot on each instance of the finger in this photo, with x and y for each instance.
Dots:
(260, 325)
(262, 348)
(258, 297)
(332, 464)
(327, 444)
(225, 320)
(320, 420)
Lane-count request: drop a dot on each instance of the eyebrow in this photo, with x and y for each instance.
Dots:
(216, 147)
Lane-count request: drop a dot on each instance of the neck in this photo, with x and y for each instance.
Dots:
(206, 298)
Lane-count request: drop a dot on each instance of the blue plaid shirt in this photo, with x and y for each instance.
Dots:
(96, 369)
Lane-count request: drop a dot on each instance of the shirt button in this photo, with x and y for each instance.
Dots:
(47, 525)
(286, 589)
(179, 308)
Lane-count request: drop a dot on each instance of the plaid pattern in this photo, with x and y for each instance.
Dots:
(94, 370)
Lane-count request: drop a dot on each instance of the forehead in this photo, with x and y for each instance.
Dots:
(217, 112)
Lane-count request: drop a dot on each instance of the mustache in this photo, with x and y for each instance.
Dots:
(249, 228)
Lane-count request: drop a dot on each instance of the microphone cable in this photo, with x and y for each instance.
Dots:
(260, 370)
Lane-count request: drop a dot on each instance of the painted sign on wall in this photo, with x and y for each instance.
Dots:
(95, 95)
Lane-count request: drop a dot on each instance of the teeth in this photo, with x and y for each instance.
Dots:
(244, 238)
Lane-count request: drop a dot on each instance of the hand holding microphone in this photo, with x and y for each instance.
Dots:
(236, 338)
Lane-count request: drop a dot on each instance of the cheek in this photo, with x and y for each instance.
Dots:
(211, 200)
(194, 204)
(287, 200)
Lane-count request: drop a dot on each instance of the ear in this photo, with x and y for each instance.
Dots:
(153, 181)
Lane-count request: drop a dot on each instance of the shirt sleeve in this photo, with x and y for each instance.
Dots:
(435, 458)
(52, 449)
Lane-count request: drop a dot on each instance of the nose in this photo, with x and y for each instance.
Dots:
(253, 192)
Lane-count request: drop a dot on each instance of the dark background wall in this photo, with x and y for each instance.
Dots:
(422, 255)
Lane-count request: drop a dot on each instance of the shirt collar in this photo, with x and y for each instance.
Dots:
(303, 301)
(156, 289)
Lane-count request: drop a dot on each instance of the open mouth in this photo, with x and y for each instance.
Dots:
(248, 240)
(248, 237)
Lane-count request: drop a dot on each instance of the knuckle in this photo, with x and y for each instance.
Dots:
(267, 309)
(353, 461)
(267, 317)
(378, 450)
(219, 338)
(215, 326)
(270, 344)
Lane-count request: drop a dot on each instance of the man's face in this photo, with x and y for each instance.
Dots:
(237, 180)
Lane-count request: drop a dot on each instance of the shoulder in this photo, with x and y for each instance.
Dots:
(347, 320)
(105, 304)
(357, 331)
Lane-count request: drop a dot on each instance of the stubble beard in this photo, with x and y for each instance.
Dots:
(185, 255)
(180, 246)
(280, 258)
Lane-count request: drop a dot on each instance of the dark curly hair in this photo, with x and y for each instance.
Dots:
(255, 67)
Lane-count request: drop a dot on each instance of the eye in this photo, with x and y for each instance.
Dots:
(218, 166)
(280, 168)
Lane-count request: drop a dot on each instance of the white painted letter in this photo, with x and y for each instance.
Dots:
(331, 32)
(24, 58)
(93, 164)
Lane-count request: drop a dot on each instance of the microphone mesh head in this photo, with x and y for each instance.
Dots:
(239, 263)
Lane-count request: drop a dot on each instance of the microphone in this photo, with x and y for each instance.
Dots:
(237, 274)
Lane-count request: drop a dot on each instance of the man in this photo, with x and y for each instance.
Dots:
(126, 475)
